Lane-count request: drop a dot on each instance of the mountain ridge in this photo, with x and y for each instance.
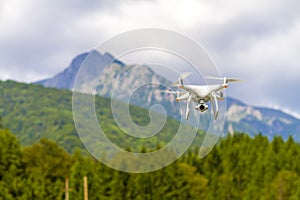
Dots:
(239, 116)
(66, 78)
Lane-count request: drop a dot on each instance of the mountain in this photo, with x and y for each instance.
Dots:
(65, 79)
(116, 74)
(239, 116)
(252, 119)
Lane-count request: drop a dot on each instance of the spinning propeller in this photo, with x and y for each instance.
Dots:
(225, 80)
(180, 79)
(177, 93)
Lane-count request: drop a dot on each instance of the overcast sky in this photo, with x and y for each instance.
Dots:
(256, 40)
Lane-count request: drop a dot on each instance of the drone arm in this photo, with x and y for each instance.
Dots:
(179, 94)
(184, 96)
(220, 95)
(214, 103)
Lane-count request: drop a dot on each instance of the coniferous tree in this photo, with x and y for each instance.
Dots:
(47, 166)
(11, 171)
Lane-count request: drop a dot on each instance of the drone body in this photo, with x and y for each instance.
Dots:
(201, 94)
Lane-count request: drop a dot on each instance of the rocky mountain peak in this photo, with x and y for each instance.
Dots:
(66, 78)
(240, 116)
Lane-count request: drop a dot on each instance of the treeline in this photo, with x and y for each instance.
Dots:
(33, 112)
(239, 167)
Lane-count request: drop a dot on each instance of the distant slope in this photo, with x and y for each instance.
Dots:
(33, 112)
(240, 117)
(269, 122)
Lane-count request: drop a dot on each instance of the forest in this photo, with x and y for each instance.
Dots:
(239, 167)
(40, 149)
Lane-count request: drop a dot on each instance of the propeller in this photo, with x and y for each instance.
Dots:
(181, 77)
(185, 75)
(168, 91)
(174, 84)
(226, 80)
(177, 93)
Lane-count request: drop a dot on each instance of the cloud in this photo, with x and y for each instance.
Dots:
(270, 65)
(261, 46)
(41, 37)
(254, 40)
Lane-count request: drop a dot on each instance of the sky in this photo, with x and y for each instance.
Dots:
(255, 40)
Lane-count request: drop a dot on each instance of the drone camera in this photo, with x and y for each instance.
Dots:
(201, 107)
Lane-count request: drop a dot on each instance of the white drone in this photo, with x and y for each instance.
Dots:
(201, 94)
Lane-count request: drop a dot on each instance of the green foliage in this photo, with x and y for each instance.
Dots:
(10, 166)
(35, 172)
(1, 126)
(239, 167)
(33, 112)
(253, 168)
(47, 166)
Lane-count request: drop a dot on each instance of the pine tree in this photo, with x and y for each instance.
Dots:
(47, 166)
(11, 168)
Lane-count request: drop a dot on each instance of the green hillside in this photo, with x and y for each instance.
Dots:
(33, 112)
